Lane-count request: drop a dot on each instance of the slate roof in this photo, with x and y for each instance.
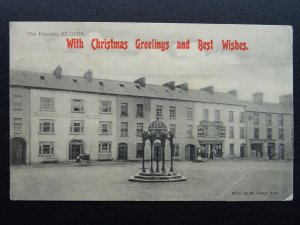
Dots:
(75, 83)
(268, 108)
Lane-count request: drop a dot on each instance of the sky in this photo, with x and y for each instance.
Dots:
(266, 67)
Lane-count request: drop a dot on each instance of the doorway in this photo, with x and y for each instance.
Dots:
(190, 152)
(271, 150)
(243, 150)
(17, 151)
(75, 149)
(257, 147)
(122, 151)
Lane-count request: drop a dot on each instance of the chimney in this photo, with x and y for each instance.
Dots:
(258, 98)
(88, 75)
(209, 89)
(58, 72)
(286, 100)
(141, 81)
(233, 92)
(183, 86)
(170, 85)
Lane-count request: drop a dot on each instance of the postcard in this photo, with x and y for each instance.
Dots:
(151, 112)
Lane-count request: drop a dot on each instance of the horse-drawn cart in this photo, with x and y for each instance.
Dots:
(84, 159)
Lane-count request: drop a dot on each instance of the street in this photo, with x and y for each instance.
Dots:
(215, 180)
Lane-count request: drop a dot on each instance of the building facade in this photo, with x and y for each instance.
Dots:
(55, 118)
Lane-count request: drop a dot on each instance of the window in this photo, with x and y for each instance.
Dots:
(105, 107)
(176, 150)
(159, 109)
(217, 115)
(172, 112)
(256, 132)
(205, 114)
(173, 128)
(189, 131)
(77, 105)
(47, 104)
(139, 150)
(242, 117)
(105, 127)
(280, 120)
(281, 134)
(76, 126)
(46, 127)
(17, 124)
(124, 129)
(189, 113)
(46, 148)
(139, 110)
(124, 109)
(230, 116)
(139, 129)
(104, 147)
(231, 132)
(242, 132)
(17, 102)
(269, 133)
(268, 120)
(255, 118)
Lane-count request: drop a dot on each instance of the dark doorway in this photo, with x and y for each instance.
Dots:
(75, 149)
(17, 151)
(271, 150)
(258, 149)
(122, 151)
(243, 150)
(190, 152)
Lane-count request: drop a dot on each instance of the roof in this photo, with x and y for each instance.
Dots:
(269, 108)
(103, 86)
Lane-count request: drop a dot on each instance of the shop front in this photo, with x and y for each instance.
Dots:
(262, 148)
(210, 137)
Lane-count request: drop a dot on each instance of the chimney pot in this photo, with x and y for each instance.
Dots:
(141, 81)
(58, 72)
(209, 89)
(258, 98)
(88, 75)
